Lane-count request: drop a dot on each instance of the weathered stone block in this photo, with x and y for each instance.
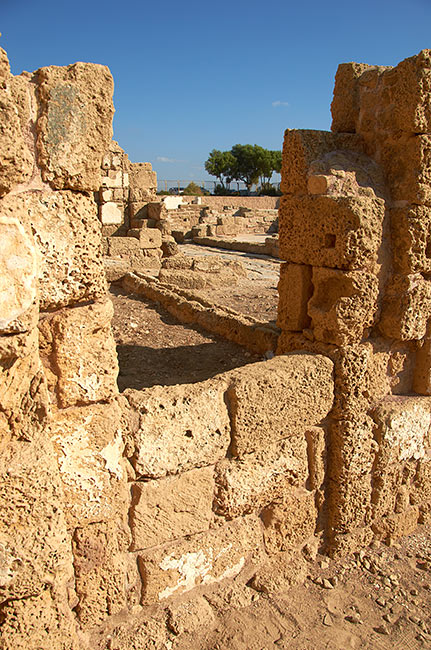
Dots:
(403, 425)
(406, 307)
(294, 291)
(16, 159)
(34, 544)
(18, 278)
(272, 400)
(248, 484)
(406, 161)
(89, 446)
(83, 355)
(167, 509)
(74, 126)
(180, 427)
(150, 238)
(68, 241)
(405, 100)
(110, 213)
(343, 305)
(352, 453)
(202, 559)
(100, 572)
(345, 106)
(411, 239)
(119, 246)
(302, 147)
(338, 232)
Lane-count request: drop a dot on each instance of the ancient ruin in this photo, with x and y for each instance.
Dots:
(127, 517)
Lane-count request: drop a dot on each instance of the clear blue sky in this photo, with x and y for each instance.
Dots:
(192, 76)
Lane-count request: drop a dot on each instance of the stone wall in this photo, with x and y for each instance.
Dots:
(354, 231)
(119, 512)
(63, 532)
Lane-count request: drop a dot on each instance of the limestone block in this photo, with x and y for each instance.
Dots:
(406, 307)
(122, 246)
(294, 290)
(180, 427)
(338, 232)
(18, 278)
(16, 158)
(290, 520)
(406, 100)
(352, 453)
(89, 445)
(370, 371)
(116, 269)
(403, 428)
(411, 239)
(114, 178)
(167, 509)
(74, 126)
(100, 572)
(302, 147)
(68, 240)
(275, 399)
(346, 102)
(83, 354)
(343, 305)
(148, 630)
(48, 618)
(422, 480)
(202, 559)
(34, 543)
(406, 161)
(150, 238)
(24, 400)
(110, 213)
(142, 176)
(105, 194)
(137, 210)
(248, 484)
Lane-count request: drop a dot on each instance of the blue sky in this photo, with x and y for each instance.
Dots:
(192, 76)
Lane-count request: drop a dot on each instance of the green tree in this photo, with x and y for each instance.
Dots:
(249, 163)
(193, 189)
(221, 164)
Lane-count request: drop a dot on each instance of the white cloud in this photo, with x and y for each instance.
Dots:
(279, 103)
(163, 159)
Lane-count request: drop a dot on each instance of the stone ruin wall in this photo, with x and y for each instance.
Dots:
(127, 517)
(355, 227)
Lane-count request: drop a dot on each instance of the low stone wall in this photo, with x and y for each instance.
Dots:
(190, 308)
(252, 202)
(268, 247)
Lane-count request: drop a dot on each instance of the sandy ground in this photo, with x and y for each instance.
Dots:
(378, 600)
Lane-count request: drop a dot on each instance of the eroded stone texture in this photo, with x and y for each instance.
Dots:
(343, 305)
(406, 307)
(170, 508)
(179, 427)
(295, 290)
(74, 127)
(80, 349)
(248, 484)
(201, 560)
(89, 446)
(66, 233)
(18, 278)
(274, 399)
(338, 232)
(16, 157)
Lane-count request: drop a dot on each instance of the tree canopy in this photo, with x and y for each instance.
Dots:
(244, 162)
